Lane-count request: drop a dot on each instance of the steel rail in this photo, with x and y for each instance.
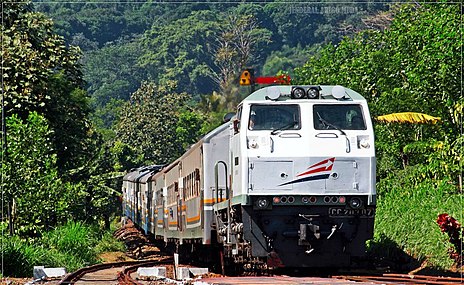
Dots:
(125, 278)
(76, 275)
(391, 278)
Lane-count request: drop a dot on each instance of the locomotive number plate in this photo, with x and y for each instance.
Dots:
(340, 212)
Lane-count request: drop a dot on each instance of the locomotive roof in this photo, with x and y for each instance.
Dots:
(285, 91)
(206, 139)
(141, 171)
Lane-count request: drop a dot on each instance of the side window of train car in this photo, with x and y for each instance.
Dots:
(330, 117)
(274, 117)
(237, 120)
(192, 184)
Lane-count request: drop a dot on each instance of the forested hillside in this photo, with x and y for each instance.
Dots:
(88, 87)
(201, 47)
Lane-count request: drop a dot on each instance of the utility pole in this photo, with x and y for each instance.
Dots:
(4, 162)
(4, 157)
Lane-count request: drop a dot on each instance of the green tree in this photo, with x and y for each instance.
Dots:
(190, 126)
(238, 46)
(37, 197)
(181, 51)
(148, 123)
(41, 74)
(53, 161)
(31, 53)
(285, 60)
(414, 65)
(112, 74)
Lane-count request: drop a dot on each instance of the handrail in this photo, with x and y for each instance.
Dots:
(216, 180)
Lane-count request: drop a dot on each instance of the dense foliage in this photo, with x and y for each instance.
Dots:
(153, 125)
(52, 160)
(203, 46)
(41, 74)
(30, 177)
(73, 245)
(414, 65)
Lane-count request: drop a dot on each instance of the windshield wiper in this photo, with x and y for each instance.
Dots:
(285, 127)
(330, 124)
(348, 148)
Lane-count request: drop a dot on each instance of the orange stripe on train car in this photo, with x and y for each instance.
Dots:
(210, 202)
(193, 219)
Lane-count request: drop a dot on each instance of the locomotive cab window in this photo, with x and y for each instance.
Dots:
(274, 117)
(346, 117)
(236, 122)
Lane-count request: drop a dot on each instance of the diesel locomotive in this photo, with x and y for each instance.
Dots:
(288, 181)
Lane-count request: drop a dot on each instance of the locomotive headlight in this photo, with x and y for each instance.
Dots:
(364, 143)
(262, 203)
(355, 203)
(253, 144)
(313, 92)
(298, 93)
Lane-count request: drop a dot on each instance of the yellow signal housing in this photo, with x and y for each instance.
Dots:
(247, 77)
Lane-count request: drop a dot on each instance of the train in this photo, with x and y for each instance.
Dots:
(287, 181)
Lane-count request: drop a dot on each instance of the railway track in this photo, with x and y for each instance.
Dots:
(392, 278)
(112, 273)
(387, 279)
(122, 273)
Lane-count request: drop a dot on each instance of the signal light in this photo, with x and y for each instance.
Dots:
(276, 200)
(247, 77)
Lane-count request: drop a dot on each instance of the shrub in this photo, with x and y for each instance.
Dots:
(406, 215)
(109, 243)
(73, 245)
(75, 239)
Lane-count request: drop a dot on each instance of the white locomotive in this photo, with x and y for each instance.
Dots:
(288, 181)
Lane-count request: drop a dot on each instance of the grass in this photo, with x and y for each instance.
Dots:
(73, 245)
(20, 257)
(406, 216)
(108, 243)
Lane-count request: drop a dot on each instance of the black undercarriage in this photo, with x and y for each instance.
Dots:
(295, 236)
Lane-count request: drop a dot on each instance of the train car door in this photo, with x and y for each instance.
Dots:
(165, 210)
(149, 216)
(180, 201)
(180, 206)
